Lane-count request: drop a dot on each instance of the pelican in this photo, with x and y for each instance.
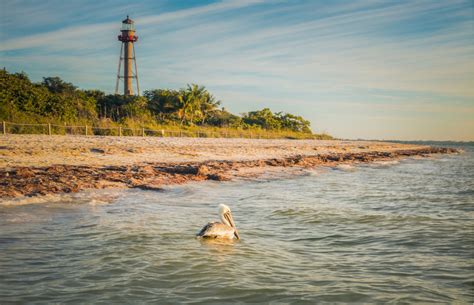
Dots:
(224, 229)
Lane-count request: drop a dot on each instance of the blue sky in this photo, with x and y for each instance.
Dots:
(355, 69)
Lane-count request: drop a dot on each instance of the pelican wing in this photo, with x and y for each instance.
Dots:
(216, 230)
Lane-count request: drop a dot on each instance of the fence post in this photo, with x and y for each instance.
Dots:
(162, 133)
(143, 132)
(86, 130)
(49, 128)
(4, 128)
(120, 131)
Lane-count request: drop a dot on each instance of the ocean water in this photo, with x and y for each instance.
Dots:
(388, 232)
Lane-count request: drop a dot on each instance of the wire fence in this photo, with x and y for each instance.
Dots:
(87, 130)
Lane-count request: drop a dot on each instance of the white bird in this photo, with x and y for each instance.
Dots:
(224, 229)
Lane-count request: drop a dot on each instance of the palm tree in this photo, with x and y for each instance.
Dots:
(192, 104)
(209, 104)
(191, 99)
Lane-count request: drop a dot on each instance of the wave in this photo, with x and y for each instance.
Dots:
(385, 163)
(30, 200)
(90, 197)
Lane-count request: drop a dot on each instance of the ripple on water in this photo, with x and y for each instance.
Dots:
(384, 233)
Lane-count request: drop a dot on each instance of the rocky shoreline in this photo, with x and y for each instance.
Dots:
(56, 179)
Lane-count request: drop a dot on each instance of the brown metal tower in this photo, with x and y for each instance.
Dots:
(128, 38)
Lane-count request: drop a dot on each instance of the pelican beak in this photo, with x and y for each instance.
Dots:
(228, 217)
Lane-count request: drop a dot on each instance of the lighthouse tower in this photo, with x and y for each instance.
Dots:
(127, 54)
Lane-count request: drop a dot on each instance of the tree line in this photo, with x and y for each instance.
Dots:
(55, 99)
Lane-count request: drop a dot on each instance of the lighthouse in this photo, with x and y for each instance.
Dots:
(127, 55)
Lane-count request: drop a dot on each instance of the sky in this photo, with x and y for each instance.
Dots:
(356, 69)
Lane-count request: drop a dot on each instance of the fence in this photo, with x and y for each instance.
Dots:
(87, 130)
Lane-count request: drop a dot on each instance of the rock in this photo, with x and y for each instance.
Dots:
(116, 168)
(25, 172)
(148, 187)
(202, 170)
(299, 160)
(97, 150)
(147, 169)
(132, 182)
(333, 158)
(55, 170)
(218, 177)
(182, 169)
(273, 162)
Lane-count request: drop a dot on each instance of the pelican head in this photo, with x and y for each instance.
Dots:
(226, 218)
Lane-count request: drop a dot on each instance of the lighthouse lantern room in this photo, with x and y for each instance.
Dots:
(127, 55)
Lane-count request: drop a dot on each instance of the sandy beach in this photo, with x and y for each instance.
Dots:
(37, 165)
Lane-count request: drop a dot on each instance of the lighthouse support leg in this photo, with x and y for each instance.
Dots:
(136, 70)
(118, 71)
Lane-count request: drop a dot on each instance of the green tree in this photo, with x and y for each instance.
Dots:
(293, 122)
(263, 118)
(163, 103)
(223, 118)
(57, 85)
(209, 104)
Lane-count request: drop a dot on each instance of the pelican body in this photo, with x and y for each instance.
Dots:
(224, 229)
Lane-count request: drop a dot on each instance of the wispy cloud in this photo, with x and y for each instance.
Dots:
(74, 32)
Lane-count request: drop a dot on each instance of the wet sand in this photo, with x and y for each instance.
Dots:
(32, 165)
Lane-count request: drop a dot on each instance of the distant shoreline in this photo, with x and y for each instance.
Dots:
(41, 165)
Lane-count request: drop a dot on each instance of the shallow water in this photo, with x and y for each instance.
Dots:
(386, 232)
